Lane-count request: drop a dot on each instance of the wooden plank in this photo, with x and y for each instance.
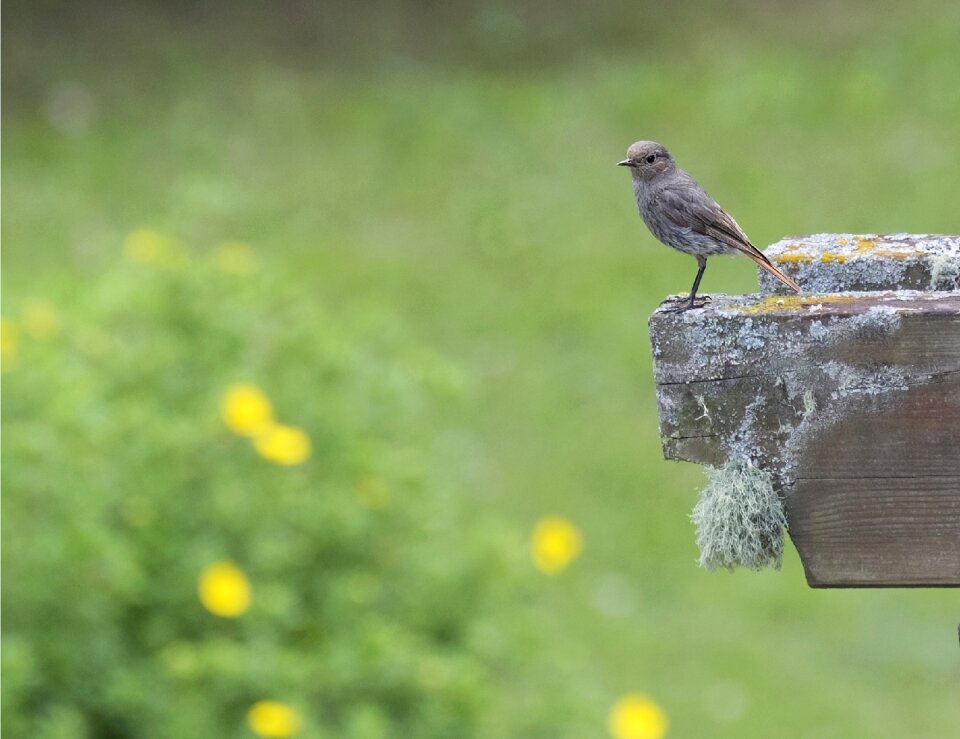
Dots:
(871, 532)
(878, 500)
(767, 365)
(851, 400)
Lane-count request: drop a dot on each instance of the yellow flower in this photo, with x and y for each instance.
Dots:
(151, 247)
(224, 589)
(635, 716)
(555, 544)
(41, 320)
(246, 410)
(235, 257)
(274, 719)
(9, 341)
(280, 444)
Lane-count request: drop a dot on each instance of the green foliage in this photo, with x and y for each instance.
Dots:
(475, 208)
(378, 608)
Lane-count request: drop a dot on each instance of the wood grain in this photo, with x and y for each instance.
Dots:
(853, 401)
(879, 502)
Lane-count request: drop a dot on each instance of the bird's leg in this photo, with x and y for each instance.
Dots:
(691, 301)
(702, 261)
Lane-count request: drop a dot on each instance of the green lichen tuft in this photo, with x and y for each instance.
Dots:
(739, 519)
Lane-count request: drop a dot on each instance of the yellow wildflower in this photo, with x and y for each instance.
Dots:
(224, 589)
(555, 544)
(274, 720)
(235, 257)
(9, 341)
(635, 716)
(280, 444)
(40, 320)
(246, 410)
(152, 247)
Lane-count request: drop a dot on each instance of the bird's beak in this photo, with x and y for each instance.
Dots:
(625, 163)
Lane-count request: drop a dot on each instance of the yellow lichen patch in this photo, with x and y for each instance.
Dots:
(864, 247)
(780, 303)
(792, 258)
(828, 256)
(897, 254)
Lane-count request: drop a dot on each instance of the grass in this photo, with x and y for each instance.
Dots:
(482, 207)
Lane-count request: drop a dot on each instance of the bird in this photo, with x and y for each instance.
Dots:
(681, 214)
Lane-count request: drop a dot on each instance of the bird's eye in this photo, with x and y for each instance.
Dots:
(650, 158)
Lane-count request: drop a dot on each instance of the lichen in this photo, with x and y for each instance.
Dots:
(834, 262)
(724, 340)
(817, 331)
(792, 258)
(782, 303)
(739, 518)
(945, 272)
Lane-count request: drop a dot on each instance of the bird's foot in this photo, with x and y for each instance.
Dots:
(685, 304)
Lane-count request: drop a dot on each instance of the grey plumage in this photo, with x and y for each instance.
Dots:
(681, 214)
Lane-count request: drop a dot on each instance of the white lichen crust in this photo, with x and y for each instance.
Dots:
(863, 262)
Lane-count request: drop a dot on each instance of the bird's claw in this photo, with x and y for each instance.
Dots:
(686, 304)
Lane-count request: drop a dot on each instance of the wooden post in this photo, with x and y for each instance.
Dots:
(849, 394)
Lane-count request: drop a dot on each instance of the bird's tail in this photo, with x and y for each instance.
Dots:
(765, 264)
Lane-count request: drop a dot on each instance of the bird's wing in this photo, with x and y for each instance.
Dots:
(687, 205)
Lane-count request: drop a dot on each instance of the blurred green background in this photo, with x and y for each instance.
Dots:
(434, 270)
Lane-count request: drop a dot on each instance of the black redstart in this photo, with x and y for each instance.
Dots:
(680, 214)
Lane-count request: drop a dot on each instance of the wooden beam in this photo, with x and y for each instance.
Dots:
(851, 400)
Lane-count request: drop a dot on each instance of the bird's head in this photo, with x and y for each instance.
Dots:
(648, 159)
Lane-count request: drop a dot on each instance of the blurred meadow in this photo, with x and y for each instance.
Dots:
(328, 408)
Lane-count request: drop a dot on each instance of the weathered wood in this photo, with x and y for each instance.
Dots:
(879, 499)
(851, 400)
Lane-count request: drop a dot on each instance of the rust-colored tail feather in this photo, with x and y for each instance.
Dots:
(760, 258)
